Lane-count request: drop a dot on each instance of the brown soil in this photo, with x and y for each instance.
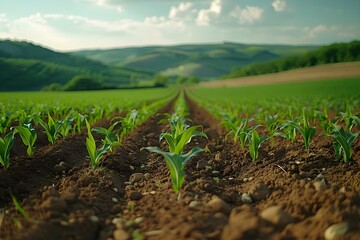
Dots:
(77, 202)
(322, 72)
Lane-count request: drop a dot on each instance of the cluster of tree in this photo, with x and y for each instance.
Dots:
(184, 80)
(79, 83)
(334, 53)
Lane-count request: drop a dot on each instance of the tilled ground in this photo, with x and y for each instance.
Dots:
(287, 194)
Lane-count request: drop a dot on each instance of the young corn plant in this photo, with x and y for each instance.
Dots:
(5, 120)
(288, 130)
(255, 142)
(179, 136)
(66, 126)
(342, 142)
(239, 129)
(28, 136)
(306, 131)
(6, 144)
(176, 164)
(128, 123)
(52, 128)
(349, 118)
(111, 134)
(94, 153)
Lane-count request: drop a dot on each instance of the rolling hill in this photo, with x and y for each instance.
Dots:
(26, 66)
(206, 61)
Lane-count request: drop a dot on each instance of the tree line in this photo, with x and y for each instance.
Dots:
(334, 53)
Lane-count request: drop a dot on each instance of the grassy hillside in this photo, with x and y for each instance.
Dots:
(207, 61)
(26, 66)
(334, 53)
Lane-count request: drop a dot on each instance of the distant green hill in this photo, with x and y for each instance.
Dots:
(26, 66)
(334, 53)
(206, 61)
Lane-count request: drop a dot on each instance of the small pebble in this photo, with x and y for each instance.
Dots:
(152, 192)
(153, 233)
(116, 190)
(218, 205)
(246, 198)
(321, 185)
(138, 220)
(319, 177)
(276, 216)
(132, 167)
(115, 200)
(194, 204)
(121, 234)
(336, 231)
(128, 183)
(250, 179)
(136, 177)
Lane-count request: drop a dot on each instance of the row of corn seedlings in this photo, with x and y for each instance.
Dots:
(288, 119)
(177, 139)
(120, 127)
(24, 122)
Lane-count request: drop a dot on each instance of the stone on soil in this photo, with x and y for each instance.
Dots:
(218, 205)
(320, 185)
(276, 216)
(336, 231)
(246, 198)
(136, 177)
(121, 234)
(194, 204)
(242, 223)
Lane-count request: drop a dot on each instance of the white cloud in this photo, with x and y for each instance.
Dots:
(183, 11)
(113, 4)
(205, 16)
(3, 18)
(279, 5)
(314, 31)
(249, 14)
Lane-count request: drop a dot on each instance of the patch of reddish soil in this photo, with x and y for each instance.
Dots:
(322, 72)
(289, 197)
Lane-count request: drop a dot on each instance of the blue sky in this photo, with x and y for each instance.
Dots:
(87, 24)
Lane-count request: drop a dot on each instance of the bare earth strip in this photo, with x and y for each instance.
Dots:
(322, 72)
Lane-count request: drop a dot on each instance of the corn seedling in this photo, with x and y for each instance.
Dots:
(52, 128)
(66, 126)
(349, 118)
(5, 120)
(20, 209)
(342, 142)
(288, 131)
(180, 137)
(94, 153)
(255, 142)
(238, 129)
(306, 131)
(6, 144)
(176, 164)
(111, 134)
(128, 123)
(28, 136)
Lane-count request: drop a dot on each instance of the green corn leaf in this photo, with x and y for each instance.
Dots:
(176, 164)
(6, 144)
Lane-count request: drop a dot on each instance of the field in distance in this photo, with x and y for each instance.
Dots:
(322, 72)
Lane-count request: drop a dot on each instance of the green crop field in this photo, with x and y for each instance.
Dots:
(315, 89)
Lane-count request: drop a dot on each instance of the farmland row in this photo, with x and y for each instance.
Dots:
(135, 195)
